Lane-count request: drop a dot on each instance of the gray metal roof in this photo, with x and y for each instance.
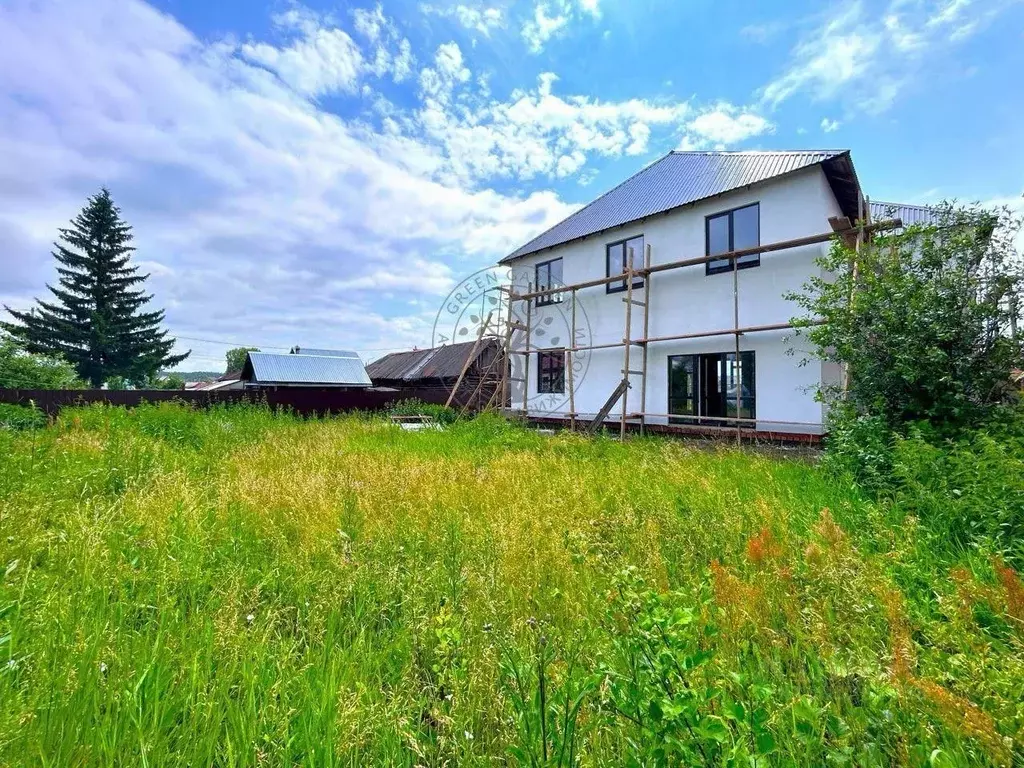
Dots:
(908, 214)
(324, 352)
(270, 368)
(681, 178)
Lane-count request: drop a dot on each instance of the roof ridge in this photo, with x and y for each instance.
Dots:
(592, 202)
(756, 151)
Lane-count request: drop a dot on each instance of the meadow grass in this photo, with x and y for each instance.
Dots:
(234, 587)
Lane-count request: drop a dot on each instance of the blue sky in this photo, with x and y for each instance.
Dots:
(322, 174)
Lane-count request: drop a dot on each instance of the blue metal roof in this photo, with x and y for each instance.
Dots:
(678, 179)
(270, 368)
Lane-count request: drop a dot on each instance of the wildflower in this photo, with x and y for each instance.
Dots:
(468, 735)
(762, 547)
(488, 627)
(103, 668)
(249, 619)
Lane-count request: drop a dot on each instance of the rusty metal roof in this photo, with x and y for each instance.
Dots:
(682, 178)
(438, 363)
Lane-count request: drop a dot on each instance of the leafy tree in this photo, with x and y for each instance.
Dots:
(96, 321)
(236, 357)
(22, 370)
(923, 319)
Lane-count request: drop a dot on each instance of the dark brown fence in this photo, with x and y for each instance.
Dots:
(304, 401)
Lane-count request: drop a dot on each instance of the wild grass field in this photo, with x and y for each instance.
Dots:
(234, 587)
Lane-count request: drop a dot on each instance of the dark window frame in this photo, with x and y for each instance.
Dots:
(698, 417)
(708, 268)
(546, 383)
(551, 298)
(638, 282)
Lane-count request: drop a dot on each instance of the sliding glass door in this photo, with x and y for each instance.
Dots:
(703, 389)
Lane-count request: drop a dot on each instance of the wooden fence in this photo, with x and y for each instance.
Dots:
(303, 401)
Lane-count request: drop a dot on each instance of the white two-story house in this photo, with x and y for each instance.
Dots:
(686, 205)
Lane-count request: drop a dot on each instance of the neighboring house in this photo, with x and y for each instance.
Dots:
(439, 368)
(229, 381)
(329, 368)
(692, 205)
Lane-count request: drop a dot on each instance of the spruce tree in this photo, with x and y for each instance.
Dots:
(96, 321)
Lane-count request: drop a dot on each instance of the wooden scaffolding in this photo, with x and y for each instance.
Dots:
(854, 233)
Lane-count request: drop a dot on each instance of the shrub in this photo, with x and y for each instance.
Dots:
(21, 417)
(413, 407)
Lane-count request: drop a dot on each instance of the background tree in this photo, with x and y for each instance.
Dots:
(236, 357)
(22, 370)
(97, 320)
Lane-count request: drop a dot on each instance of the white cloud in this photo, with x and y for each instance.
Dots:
(592, 7)
(725, 124)
(482, 20)
(370, 22)
(829, 126)
(324, 61)
(761, 33)
(539, 29)
(865, 60)
(274, 221)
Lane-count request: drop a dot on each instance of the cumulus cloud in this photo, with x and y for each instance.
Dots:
(725, 124)
(265, 217)
(275, 221)
(482, 20)
(828, 126)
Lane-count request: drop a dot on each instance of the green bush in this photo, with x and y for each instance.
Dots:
(859, 446)
(413, 407)
(21, 417)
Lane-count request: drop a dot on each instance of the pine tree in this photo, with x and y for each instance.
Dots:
(97, 322)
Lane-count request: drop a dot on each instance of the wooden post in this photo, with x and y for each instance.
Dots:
(569, 363)
(854, 276)
(736, 331)
(626, 340)
(469, 361)
(526, 358)
(647, 327)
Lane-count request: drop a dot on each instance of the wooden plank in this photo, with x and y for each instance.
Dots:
(607, 407)
(782, 245)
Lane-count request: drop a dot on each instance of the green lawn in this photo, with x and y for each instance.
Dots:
(237, 588)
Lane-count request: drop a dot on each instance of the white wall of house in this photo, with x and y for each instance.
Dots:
(688, 300)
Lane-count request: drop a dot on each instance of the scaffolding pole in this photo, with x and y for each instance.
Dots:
(862, 229)
(627, 344)
(643, 347)
(569, 359)
(526, 361)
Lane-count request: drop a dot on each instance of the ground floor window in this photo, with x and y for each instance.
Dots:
(551, 372)
(702, 389)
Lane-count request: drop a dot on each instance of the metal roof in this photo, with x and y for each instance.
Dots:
(271, 368)
(437, 363)
(908, 214)
(682, 178)
(324, 352)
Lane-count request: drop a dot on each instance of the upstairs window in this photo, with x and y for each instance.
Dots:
(549, 275)
(551, 372)
(618, 258)
(733, 231)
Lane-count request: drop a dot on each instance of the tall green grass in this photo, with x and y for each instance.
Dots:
(234, 587)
